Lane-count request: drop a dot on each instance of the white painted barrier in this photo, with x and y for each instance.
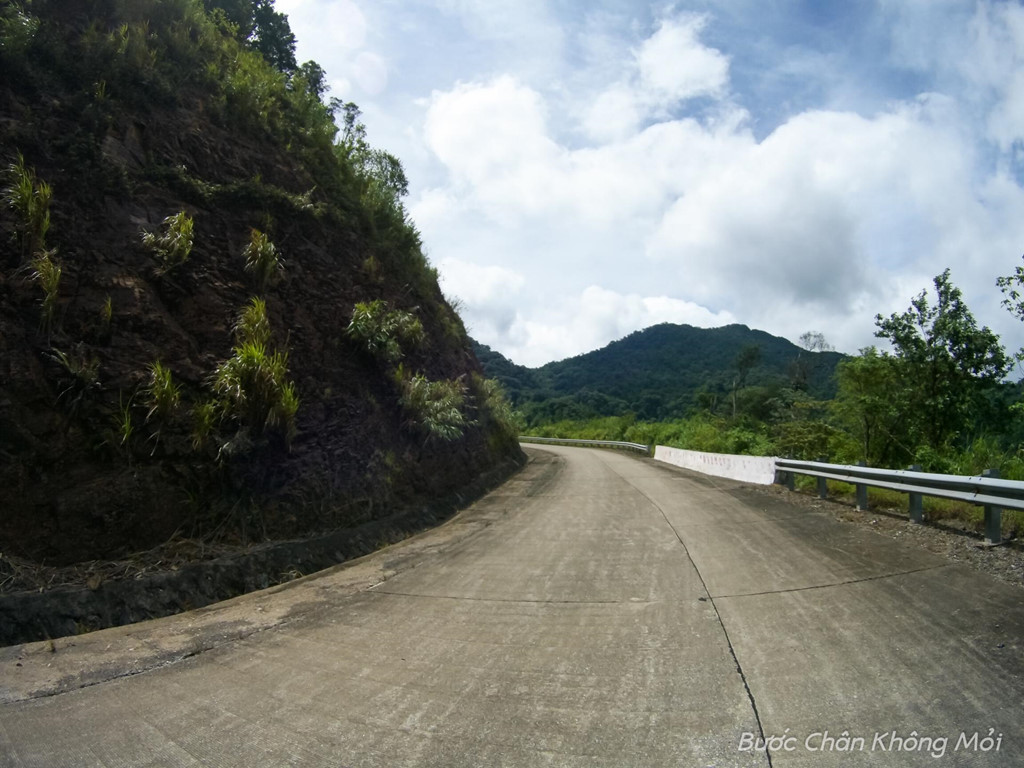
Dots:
(746, 469)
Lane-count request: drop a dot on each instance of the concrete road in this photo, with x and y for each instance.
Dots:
(597, 610)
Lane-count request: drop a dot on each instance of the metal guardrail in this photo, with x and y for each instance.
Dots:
(987, 490)
(639, 447)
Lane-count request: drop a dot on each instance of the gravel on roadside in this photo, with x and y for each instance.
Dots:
(1004, 562)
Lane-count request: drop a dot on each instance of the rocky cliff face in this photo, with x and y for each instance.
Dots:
(93, 463)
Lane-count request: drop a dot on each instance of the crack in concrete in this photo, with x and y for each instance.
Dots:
(631, 601)
(718, 615)
(861, 580)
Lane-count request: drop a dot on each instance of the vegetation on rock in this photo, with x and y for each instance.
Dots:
(192, 122)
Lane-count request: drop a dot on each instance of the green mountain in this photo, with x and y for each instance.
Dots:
(661, 372)
(215, 317)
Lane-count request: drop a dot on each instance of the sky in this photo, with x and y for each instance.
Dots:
(581, 169)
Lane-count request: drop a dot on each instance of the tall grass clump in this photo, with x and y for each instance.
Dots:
(206, 416)
(17, 30)
(262, 260)
(493, 403)
(172, 245)
(252, 325)
(255, 387)
(253, 384)
(435, 408)
(162, 396)
(384, 332)
(47, 272)
(30, 200)
(161, 393)
(80, 377)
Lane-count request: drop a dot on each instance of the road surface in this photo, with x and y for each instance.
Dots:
(597, 610)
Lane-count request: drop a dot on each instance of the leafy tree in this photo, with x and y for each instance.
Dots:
(380, 169)
(272, 36)
(312, 77)
(238, 12)
(947, 361)
(1012, 287)
(871, 405)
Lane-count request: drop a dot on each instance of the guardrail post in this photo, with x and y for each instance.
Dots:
(993, 515)
(822, 483)
(916, 501)
(862, 491)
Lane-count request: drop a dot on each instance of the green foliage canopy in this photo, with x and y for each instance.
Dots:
(947, 361)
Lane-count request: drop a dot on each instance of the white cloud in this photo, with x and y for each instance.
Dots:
(483, 132)
(494, 140)
(488, 296)
(595, 317)
(478, 285)
(613, 115)
(370, 72)
(564, 180)
(674, 65)
(818, 211)
(999, 44)
(321, 24)
(975, 50)
(335, 34)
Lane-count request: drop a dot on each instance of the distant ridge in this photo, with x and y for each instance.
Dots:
(658, 373)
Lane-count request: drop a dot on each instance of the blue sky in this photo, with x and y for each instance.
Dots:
(580, 170)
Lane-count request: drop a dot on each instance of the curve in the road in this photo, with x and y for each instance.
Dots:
(597, 610)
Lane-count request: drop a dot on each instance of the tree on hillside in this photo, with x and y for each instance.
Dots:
(1012, 287)
(815, 341)
(800, 369)
(382, 170)
(748, 358)
(238, 12)
(872, 405)
(947, 361)
(260, 26)
(272, 36)
(312, 78)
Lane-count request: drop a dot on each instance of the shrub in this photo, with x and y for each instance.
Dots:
(385, 333)
(261, 260)
(434, 407)
(173, 245)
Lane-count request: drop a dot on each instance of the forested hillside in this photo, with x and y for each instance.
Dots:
(943, 395)
(216, 319)
(665, 372)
